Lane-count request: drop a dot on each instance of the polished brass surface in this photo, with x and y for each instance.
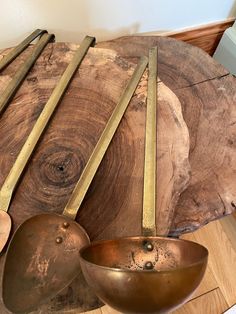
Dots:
(20, 75)
(6, 60)
(47, 246)
(149, 188)
(145, 274)
(116, 271)
(30, 144)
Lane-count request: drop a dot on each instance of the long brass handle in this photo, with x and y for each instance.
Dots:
(19, 48)
(20, 75)
(26, 151)
(149, 192)
(98, 153)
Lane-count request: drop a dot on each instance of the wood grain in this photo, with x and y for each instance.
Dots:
(207, 95)
(222, 257)
(206, 37)
(229, 226)
(113, 204)
(212, 153)
(212, 302)
(180, 64)
(173, 171)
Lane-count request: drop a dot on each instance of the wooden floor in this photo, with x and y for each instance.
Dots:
(217, 291)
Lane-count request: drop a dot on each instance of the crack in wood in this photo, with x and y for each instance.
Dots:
(201, 82)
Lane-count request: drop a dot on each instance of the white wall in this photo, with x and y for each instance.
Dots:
(70, 20)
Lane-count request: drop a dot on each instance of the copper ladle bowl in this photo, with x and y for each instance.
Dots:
(144, 274)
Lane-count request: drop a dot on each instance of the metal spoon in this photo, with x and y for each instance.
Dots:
(19, 48)
(26, 151)
(14, 84)
(47, 245)
(145, 274)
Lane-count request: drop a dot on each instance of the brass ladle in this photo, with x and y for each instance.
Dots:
(146, 274)
(14, 84)
(13, 177)
(47, 245)
(7, 59)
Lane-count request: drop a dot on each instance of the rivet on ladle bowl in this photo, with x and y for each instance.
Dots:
(65, 225)
(148, 246)
(59, 240)
(146, 274)
(148, 265)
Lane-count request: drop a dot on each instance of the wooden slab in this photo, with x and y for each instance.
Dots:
(113, 204)
(212, 124)
(180, 64)
(207, 95)
(173, 170)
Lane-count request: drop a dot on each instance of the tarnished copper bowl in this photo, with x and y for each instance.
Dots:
(144, 274)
